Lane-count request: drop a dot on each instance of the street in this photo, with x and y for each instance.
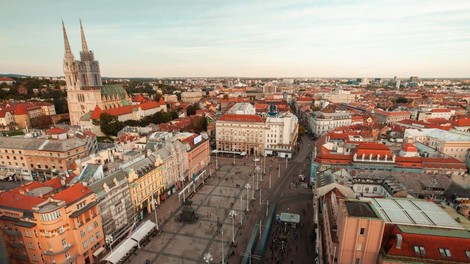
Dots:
(224, 194)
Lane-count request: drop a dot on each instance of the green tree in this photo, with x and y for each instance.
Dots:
(110, 124)
(191, 110)
(401, 100)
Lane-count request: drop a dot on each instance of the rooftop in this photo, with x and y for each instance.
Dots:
(360, 209)
(413, 212)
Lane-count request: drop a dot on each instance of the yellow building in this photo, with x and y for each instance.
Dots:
(146, 183)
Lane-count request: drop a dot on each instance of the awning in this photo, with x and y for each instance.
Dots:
(98, 251)
(121, 251)
(143, 231)
(290, 218)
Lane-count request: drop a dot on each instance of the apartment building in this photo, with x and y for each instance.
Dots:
(281, 135)
(321, 122)
(390, 117)
(40, 227)
(40, 158)
(114, 203)
(146, 179)
(198, 153)
(378, 230)
(241, 133)
(452, 143)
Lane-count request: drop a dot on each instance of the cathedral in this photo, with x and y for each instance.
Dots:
(85, 89)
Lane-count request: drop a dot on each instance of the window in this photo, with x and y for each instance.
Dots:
(27, 233)
(467, 253)
(95, 224)
(98, 235)
(30, 245)
(419, 250)
(444, 252)
(358, 261)
(363, 230)
(67, 254)
(64, 243)
(359, 247)
(90, 228)
(34, 258)
(92, 239)
(85, 244)
(82, 233)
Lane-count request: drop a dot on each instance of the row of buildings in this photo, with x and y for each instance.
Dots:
(68, 219)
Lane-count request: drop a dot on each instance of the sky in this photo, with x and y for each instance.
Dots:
(244, 38)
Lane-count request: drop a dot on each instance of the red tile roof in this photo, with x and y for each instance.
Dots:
(6, 79)
(241, 118)
(149, 105)
(96, 113)
(55, 131)
(431, 243)
(20, 110)
(440, 111)
(462, 122)
(73, 193)
(15, 200)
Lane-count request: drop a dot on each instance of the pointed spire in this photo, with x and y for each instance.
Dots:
(68, 51)
(84, 45)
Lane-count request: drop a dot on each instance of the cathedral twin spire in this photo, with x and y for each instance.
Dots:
(68, 50)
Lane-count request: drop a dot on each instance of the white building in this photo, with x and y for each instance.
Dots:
(339, 96)
(321, 122)
(281, 135)
(426, 114)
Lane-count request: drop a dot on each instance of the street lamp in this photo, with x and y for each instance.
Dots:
(208, 258)
(257, 177)
(232, 215)
(156, 218)
(247, 187)
(223, 254)
(109, 240)
(279, 171)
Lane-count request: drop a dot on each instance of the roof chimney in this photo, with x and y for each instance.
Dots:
(399, 241)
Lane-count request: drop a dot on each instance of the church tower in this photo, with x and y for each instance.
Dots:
(85, 89)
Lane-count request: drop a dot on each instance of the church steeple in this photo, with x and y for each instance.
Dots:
(84, 45)
(68, 52)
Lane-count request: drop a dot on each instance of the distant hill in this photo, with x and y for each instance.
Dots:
(13, 75)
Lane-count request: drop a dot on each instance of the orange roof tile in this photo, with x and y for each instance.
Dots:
(73, 193)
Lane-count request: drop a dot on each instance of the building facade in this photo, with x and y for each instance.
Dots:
(64, 228)
(39, 158)
(241, 133)
(281, 135)
(321, 122)
(114, 203)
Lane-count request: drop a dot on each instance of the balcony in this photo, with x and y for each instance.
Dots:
(16, 245)
(50, 252)
(71, 259)
(23, 257)
(12, 232)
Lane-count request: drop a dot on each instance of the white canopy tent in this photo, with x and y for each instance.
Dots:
(121, 251)
(143, 231)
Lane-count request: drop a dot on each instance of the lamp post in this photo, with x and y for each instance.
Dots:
(264, 164)
(247, 187)
(241, 210)
(286, 161)
(257, 177)
(216, 160)
(208, 258)
(223, 254)
(109, 240)
(156, 218)
(232, 215)
(279, 171)
(270, 180)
